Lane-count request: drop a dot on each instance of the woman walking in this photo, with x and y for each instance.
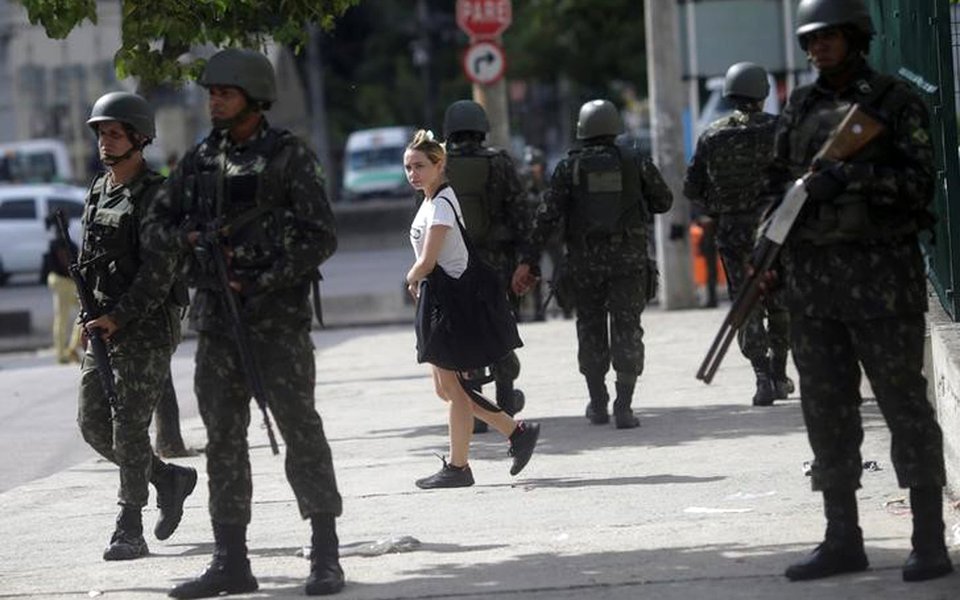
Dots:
(438, 243)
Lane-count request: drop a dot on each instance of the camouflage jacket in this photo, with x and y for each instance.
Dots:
(857, 256)
(132, 279)
(512, 216)
(269, 191)
(726, 175)
(559, 204)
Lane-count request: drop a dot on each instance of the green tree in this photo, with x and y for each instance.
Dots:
(589, 45)
(156, 33)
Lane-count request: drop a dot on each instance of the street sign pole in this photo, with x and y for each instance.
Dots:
(484, 21)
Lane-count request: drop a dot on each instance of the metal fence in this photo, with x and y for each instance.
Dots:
(920, 41)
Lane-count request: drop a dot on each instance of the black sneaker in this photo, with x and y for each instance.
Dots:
(448, 476)
(522, 442)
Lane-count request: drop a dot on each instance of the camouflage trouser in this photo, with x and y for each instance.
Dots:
(286, 364)
(120, 434)
(753, 338)
(828, 355)
(603, 290)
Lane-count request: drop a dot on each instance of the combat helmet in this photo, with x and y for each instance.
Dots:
(124, 107)
(746, 80)
(248, 70)
(598, 118)
(813, 15)
(465, 115)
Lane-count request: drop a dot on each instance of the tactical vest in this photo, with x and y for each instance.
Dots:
(738, 154)
(249, 203)
(850, 216)
(469, 176)
(607, 196)
(110, 255)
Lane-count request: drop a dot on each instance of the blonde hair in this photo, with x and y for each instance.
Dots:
(424, 141)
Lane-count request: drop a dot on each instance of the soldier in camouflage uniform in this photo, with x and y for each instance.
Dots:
(725, 178)
(495, 213)
(262, 189)
(856, 290)
(606, 196)
(139, 304)
(535, 182)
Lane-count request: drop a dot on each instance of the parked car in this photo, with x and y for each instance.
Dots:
(24, 236)
(373, 164)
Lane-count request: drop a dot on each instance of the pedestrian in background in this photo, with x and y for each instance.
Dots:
(138, 300)
(260, 192)
(856, 287)
(605, 197)
(724, 181)
(496, 216)
(438, 243)
(56, 265)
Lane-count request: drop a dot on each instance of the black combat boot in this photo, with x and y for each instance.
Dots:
(326, 575)
(228, 572)
(174, 483)
(782, 385)
(599, 398)
(127, 541)
(765, 391)
(929, 558)
(842, 548)
(623, 416)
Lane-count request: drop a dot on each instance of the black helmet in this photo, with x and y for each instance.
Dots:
(597, 118)
(746, 80)
(533, 156)
(813, 15)
(465, 115)
(248, 70)
(124, 107)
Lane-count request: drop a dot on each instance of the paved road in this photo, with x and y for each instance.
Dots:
(706, 500)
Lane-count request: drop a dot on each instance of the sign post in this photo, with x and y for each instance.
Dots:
(484, 61)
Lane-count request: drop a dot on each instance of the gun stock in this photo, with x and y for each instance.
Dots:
(250, 368)
(855, 132)
(89, 311)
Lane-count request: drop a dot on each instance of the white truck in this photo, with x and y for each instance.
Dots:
(373, 164)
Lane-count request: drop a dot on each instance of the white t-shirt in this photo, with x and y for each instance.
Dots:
(436, 211)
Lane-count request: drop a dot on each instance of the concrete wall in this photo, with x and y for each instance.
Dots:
(943, 374)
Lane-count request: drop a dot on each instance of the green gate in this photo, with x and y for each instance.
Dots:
(914, 40)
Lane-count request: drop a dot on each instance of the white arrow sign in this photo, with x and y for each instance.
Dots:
(484, 62)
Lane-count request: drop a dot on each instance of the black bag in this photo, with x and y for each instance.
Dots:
(466, 323)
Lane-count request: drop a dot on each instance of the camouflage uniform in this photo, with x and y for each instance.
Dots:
(281, 229)
(855, 283)
(505, 223)
(726, 178)
(606, 269)
(133, 283)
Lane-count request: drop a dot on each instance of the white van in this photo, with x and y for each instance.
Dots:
(373, 164)
(35, 161)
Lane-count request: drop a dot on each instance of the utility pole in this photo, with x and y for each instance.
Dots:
(318, 110)
(493, 99)
(666, 102)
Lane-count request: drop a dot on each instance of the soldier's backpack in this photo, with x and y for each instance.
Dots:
(469, 176)
(606, 189)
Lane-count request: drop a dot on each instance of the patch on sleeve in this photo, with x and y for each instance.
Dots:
(920, 136)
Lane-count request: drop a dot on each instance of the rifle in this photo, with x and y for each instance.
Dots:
(210, 242)
(89, 311)
(857, 129)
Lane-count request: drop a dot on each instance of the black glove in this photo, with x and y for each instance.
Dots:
(827, 182)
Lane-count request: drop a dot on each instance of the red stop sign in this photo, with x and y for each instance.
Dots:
(484, 18)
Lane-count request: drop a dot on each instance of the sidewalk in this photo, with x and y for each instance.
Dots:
(706, 500)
